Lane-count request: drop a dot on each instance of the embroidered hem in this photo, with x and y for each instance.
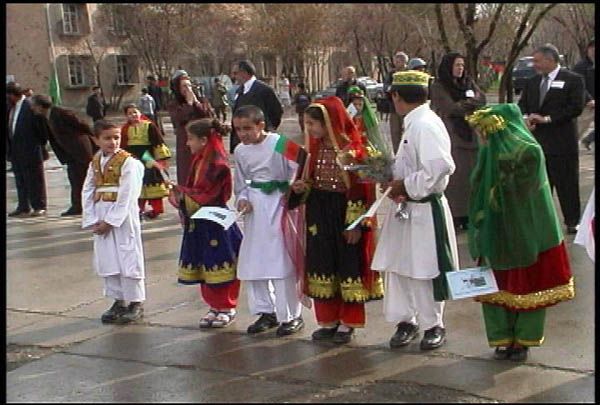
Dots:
(189, 274)
(534, 300)
(350, 290)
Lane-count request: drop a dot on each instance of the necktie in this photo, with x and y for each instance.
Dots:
(544, 88)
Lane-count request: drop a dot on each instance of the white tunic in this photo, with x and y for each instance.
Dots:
(262, 254)
(585, 234)
(119, 252)
(407, 246)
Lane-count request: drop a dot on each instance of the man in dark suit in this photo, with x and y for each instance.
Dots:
(96, 106)
(71, 140)
(349, 80)
(254, 92)
(551, 102)
(26, 139)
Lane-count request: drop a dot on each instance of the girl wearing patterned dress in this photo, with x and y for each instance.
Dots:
(208, 252)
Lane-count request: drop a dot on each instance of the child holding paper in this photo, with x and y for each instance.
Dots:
(338, 265)
(208, 252)
(142, 138)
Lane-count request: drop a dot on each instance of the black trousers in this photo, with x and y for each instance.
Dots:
(76, 172)
(31, 186)
(563, 175)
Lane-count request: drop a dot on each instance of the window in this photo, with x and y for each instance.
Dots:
(123, 70)
(117, 24)
(70, 19)
(76, 71)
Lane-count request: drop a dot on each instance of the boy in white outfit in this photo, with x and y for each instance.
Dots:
(262, 176)
(110, 209)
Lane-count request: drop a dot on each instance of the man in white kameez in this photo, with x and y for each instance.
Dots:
(110, 208)
(413, 252)
(262, 176)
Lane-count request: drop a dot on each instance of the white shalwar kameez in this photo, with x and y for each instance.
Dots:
(406, 251)
(118, 254)
(264, 263)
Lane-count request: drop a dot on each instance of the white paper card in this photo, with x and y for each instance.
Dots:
(557, 84)
(371, 212)
(221, 216)
(471, 282)
(470, 93)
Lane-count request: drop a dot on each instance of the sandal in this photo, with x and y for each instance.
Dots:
(224, 319)
(207, 320)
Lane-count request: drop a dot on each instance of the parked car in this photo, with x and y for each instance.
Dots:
(374, 89)
(523, 70)
(329, 91)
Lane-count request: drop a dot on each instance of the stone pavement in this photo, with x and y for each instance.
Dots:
(58, 351)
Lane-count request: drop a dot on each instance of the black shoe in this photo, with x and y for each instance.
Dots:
(38, 213)
(502, 353)
(343, 337)
(265, 322)
(291, 327)
(571, 230)
(134, 313)
(405, 332)
(114, 312)
(519, 353)
(324, 333)
(19, 213)
(433, 338)
(70, 211)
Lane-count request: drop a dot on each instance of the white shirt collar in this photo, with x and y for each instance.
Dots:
(552, 75)
(415, 114)
(16, 112)
(249, 84)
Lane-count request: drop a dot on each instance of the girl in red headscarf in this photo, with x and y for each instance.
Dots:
(208, 252)
(338, 273)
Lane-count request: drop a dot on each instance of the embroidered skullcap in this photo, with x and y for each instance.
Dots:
(411, 78)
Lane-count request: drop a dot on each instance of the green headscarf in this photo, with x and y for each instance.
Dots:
(512, 214)
(371, 123)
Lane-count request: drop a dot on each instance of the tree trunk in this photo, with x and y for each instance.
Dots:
(441, 27)
(358, 54)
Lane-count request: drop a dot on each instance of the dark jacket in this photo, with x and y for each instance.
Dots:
(156, 94)
(95, 107)
(586, 68)
(342, 90)
(563, 105)
(262, 96)
(71, 139)
(29, 138)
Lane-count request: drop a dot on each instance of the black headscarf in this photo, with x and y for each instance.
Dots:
(456, 87)
(175, 85)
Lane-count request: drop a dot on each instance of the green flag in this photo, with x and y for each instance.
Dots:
(55, 89)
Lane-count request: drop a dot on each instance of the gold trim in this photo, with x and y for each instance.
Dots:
(139, 135)
(485, 122)
(215, 275)
(501, 342)
(313, 229)
(351, 290)
(354, 210)
(161, 152)
(410, 78)
(110, 176)
(332, 138)
(154, 191)
(538, 299)
(525, 342)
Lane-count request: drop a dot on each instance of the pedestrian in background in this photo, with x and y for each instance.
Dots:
(551, 102)
(208, 252)
(184, 108)
(96, 105)
(454, 94)
(28, 92)
(148, 105)
(110, 210)
(73, 143)
(301, 101)
(142, 138)
(348, 80)
(400, 64)
(219, 99)
(587, 68)
(27, 139)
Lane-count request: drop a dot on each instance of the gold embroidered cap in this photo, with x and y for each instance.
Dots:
(486, 122)
(410, 78)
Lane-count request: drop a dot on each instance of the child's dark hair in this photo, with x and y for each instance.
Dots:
(201, 128)
(103, 125)
(316, 114)
(128, 106)
(410, 94)
(251, 112)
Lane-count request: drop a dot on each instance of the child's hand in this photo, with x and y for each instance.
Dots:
(102, 228)
(299, 186)
(244, 206)
(352, 237)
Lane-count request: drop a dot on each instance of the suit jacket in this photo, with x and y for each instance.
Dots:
(95, 107)
(563, 105)
(71, 139)
(25, 147)
(262, 96)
